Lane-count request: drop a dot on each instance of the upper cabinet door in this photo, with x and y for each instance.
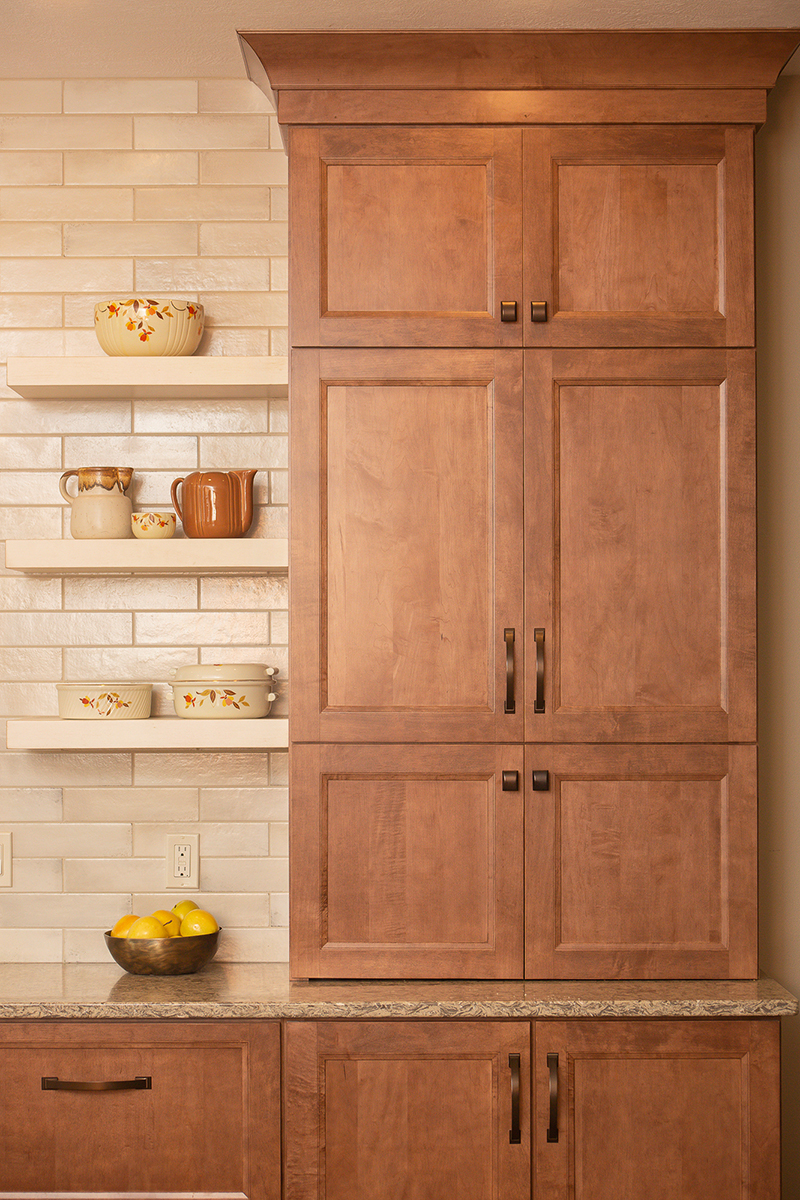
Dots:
(405, 236)
(640, 546)
(639, 236)
(406, 549)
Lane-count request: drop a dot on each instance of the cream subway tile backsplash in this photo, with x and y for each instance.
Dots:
(244, 237)
(224, 131)
(30, 95)
(130, 238)
(66, 132)
(201, 203)
(131, 167)
(130, 96)
(173, 188)
(21, 168)
(28, 237)
(230, 166)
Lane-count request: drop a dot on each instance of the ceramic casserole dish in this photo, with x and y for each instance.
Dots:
(223, 690)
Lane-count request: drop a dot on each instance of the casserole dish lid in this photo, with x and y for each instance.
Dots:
(223, 673)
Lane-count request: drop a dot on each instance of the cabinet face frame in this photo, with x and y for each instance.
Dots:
(356, 666)
(223, 1074)
(621, 1082)
(363, 813)
(664, 839)
(352, 195)
(597, 518)
(424, 1069)
(652, 179)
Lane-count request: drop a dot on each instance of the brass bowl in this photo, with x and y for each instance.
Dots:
(163, 956)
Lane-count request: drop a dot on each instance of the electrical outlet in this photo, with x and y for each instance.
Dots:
(183, 860)
(5, 860)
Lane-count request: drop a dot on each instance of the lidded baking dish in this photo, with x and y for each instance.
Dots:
(222, 690)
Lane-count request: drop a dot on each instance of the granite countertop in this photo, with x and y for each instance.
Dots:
(257, 990)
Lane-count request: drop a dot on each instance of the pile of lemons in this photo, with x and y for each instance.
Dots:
(185, 919)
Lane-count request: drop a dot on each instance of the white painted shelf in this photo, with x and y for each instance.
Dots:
(133, 556)
(184, 378)
(154, 733)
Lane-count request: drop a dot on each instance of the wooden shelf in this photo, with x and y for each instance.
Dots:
(131, 556)
(186, 378)
(155, 733)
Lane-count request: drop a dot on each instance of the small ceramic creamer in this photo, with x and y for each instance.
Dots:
(101, 509)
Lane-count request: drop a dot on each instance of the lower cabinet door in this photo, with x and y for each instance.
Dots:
(657, 1110)
(641, 862)
(147, 1109)
(406, 862)
(433, 1110)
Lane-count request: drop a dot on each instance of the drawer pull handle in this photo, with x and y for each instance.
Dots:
(508, 310)
(509, 635)
(514, 1133)
(538, 637)
(510, 781)
(552, 1067)
(51, 1083)
(538, 310)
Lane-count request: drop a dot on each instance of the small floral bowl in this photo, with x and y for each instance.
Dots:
(153, 524)
(104, 701)
(149, 327)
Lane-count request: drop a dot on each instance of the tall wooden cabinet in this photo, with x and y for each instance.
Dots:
(523, 501)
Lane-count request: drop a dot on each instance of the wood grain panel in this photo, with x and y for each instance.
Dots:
(406, 862)
(406, 547)
(651, 1110)
(647, 243)
(640, 863)
(434, 106)
(376, 1109)
(640, 491)
(404, 237)
(210, 1123)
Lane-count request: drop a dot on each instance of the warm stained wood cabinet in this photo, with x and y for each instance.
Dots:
(204, 1118)
(629, 236)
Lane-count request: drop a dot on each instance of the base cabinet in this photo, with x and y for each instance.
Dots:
(203, 1118)
(603, 1110)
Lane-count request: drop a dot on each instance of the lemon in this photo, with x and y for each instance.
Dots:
(171, 921)
(183, 907)
(147, 927)
(123, 925)
(198, 921)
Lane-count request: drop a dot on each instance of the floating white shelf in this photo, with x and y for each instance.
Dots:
(131, 556)
(155, 733)
(188, 378)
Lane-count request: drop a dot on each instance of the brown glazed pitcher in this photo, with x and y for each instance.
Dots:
(216, 504)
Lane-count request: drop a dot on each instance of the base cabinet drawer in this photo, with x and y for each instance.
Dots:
(146, 1108)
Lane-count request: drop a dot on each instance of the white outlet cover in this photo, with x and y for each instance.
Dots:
(183, 848)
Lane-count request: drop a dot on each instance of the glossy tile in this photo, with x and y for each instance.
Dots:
(248, 591)
(205, 203)
(95, 840)
(30, 523)
(212, 768)
(130, 238)
(193, 628)
(205, 131)
(30, 804)
(22, 700)
(30, 95)
(111, 275)
(244, 804)
(28, 945)
(237, 166)
(131, 167)
(279, 909)
(32, 239)
(115, 875)
(66, 204)
(230, 452)
(65, 629)
(21, 591)
(38, 874)
(250, 875)
(244, 238)
(205, 274)
(30, 342)
(128, 804)
(130, 96)
(143, 453)
(134, 594)
(201, 416)
(21, 168)
(65, 132)
(232, 95)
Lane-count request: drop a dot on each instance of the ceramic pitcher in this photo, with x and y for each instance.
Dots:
(101, 509)
(215, 504)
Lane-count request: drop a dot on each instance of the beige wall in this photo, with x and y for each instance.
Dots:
(778, 289)
(110, 188)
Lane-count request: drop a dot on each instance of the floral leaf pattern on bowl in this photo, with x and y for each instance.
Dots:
(105, 704)
(224, 697)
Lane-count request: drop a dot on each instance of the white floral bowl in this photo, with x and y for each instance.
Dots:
(149, 327)
(153, 524)
(104, 701)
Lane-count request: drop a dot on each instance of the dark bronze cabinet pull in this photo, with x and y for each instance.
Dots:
(508, 634)
(514, 1133)
(508, 310)
(51, 1083)
(510, 781)
(552, 1067)
(538, 637)
(541, 781)
(538, 310)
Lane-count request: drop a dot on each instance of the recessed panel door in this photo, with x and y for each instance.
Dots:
(406, 567)
(633, 236)
(376, 1110)
(406, 862)
(405, 236)
(641, 862)
(640, 546)
(655, 1110)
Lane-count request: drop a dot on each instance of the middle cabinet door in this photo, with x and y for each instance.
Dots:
(407, 546)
